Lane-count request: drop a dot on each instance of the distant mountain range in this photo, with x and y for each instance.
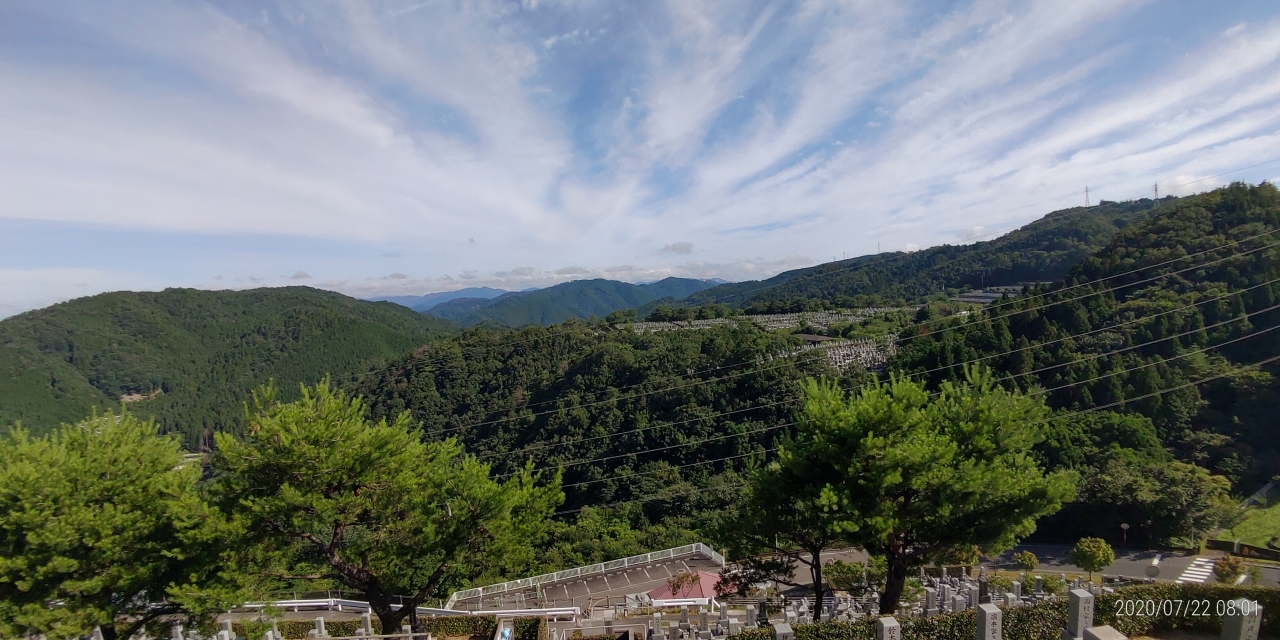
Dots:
(424, 302)
(189, 357)
(580, 299)
(1043, 250)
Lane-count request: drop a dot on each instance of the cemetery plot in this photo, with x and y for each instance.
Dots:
(774, 321)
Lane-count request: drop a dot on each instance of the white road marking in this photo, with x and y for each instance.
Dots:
(1198, 572)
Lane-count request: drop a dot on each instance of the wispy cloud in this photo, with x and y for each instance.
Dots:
(497, 142)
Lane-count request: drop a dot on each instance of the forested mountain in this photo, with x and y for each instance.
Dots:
(1041, 251)
(1188, 296)
(424, 302)
(576, 391)
(191, 357)
(668, 418)
(580, 299)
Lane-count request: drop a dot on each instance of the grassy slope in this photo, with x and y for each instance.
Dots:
(1042, 250)
(1259, 526)
(205, 350)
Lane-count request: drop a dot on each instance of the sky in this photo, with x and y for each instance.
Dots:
(399, 148)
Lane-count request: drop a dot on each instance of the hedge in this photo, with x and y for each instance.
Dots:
(1046, 619)
(1267, 597)
(468, 626)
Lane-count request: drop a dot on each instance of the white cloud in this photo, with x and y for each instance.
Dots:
(408, 131)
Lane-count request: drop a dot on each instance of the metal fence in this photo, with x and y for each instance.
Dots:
(589, 570)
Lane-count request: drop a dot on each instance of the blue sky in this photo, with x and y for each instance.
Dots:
(389, 148)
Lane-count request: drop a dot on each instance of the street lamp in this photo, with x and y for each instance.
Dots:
(1124, 528)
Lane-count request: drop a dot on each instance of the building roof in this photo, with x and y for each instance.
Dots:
(705, 587)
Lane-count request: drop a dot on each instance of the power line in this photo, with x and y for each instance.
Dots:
(814, 274)
(1046, 421)
(942, 330)
(670, 468)
(1158, 362)
(992, 234)
(1104, 354)
(1021, 299)
(792, 423)
(565, 443)
(1108, 327)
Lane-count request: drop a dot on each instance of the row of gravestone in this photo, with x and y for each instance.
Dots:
(319, 631)
(1243, 621)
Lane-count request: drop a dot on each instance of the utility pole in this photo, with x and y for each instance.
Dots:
(1086, 196)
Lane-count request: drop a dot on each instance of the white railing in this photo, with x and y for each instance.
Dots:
(589, 570)
(360, 606)
(338, 604)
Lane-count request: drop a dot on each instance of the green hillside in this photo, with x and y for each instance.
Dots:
(1041, 251)
(202, 351)
(1110, 338)
(580, 299)
(548, 388)
(1165, 461)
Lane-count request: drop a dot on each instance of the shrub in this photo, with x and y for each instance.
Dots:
(1092, 554)
(1228, 568)
(1026, 560)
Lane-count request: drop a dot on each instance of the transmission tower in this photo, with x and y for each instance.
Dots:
(1155, 190)
(1086, 196)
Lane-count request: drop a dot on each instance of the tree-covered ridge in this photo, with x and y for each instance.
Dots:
(1041, 251)
(582, 391)
(580, 299)
(192, 355)
(1187, 296)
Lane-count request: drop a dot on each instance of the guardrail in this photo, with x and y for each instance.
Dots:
(589, 570)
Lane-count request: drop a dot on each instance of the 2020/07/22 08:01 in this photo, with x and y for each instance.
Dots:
(1201, 607)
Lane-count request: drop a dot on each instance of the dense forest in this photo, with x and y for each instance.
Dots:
(655, 432)
(580, 299)
(1041, 251)
(684, 400)
(1190, 295)
(583, 391)
(191, 357)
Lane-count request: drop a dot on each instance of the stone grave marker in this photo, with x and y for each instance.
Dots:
(1242, 621)
(751, 617)
(782, 631)
(989, 622)
(1105, 632)
(1079, 614)
(888, 629)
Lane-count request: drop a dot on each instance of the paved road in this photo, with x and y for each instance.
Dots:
(1133, 563)
(1129, 562)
